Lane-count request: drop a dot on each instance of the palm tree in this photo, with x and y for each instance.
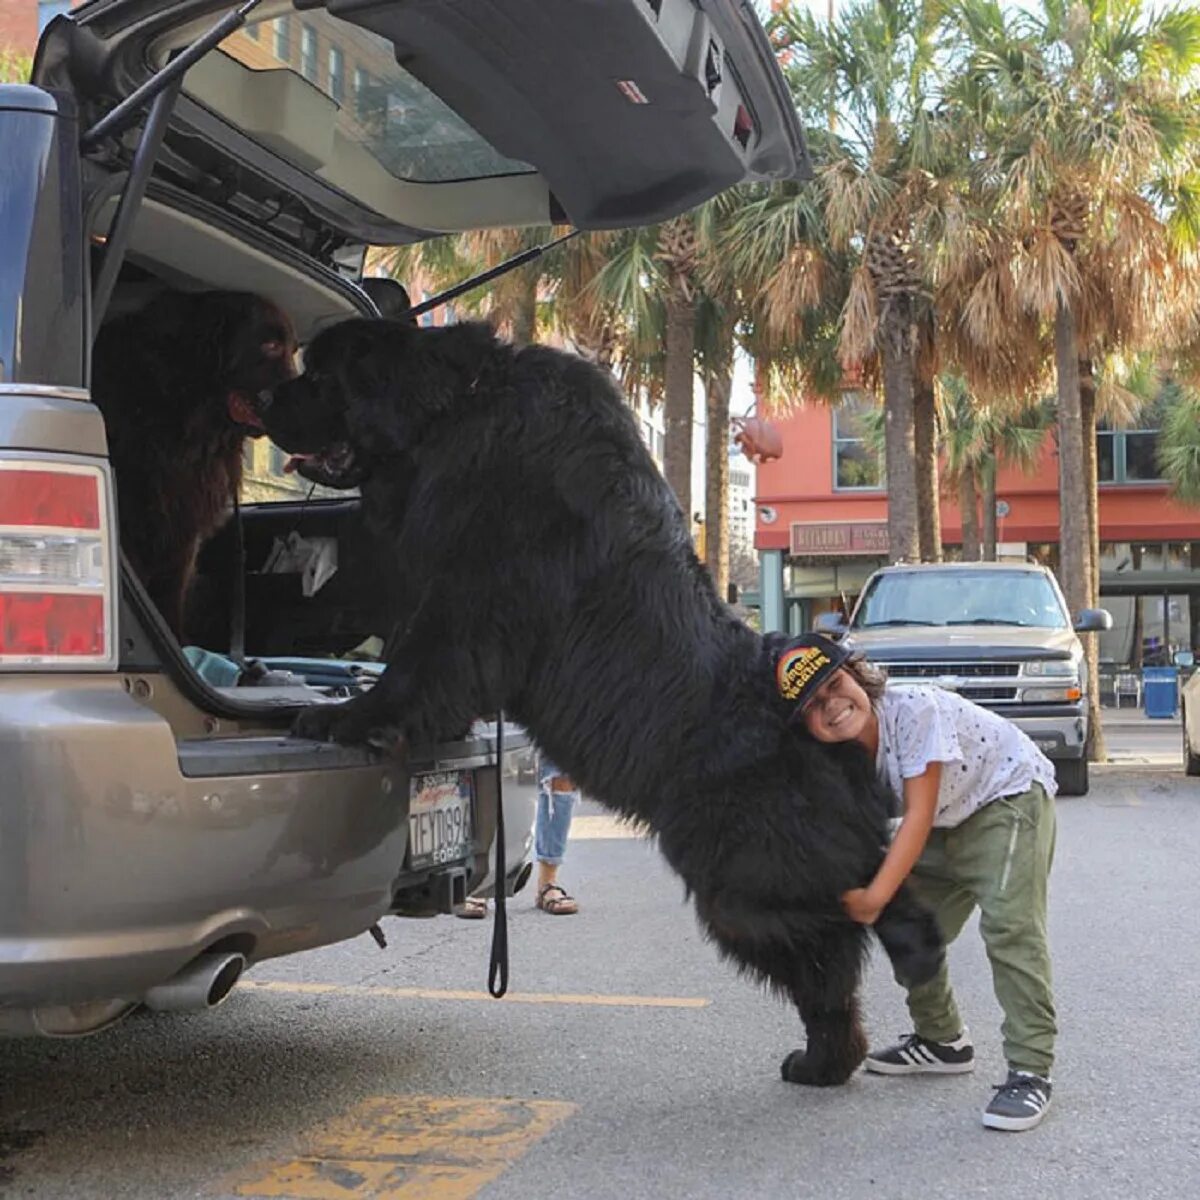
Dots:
(872, 71)
(1085, 130)
(14, 67)
(980, 439)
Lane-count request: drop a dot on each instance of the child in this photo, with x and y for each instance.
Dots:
(977, 830)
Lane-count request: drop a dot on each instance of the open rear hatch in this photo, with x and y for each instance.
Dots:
(353, 122)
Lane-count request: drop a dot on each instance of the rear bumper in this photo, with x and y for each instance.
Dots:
(117, 869)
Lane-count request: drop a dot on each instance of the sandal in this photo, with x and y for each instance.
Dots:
(473, 908)
(560, 905)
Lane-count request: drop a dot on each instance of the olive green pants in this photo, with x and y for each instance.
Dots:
(999, 860)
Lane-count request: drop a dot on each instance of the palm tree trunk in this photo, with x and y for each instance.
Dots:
(1074, 543)
(929, 516)
(524, 327)
(678, 399)
(968, 502)
(1097, 747)
(716, 490)
(1074, 549)
(900, 447)
(988, 497)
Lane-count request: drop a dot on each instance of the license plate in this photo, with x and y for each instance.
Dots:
(440, 825)
(1045, 743)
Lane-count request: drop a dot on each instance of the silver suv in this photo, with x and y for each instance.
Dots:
(997, 633)
(159, 831)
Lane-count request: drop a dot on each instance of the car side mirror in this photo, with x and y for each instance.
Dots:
(830, 624)
(1093, 620)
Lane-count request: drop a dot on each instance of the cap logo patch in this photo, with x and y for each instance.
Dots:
(796, 668)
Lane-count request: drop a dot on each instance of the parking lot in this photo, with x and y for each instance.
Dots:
(629, 1062)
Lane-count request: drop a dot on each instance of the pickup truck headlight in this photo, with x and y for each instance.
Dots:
(1054, 667)
(1051, 695)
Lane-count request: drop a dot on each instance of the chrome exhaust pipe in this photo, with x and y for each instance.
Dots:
(203, 983)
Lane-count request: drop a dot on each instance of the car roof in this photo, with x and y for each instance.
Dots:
(896, 568)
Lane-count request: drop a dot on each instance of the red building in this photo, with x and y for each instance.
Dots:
(821, 528)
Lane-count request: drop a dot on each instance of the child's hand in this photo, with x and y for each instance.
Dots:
(861, 906)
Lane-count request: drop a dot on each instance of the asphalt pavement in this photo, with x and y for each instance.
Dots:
(629, 1062)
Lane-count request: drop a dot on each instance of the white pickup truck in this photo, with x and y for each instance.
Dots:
(999, 634)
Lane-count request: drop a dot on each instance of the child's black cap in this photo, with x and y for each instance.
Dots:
(803, 664)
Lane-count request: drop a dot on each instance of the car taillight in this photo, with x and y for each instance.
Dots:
(55, 565)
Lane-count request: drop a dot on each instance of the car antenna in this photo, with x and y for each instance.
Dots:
(509, 264)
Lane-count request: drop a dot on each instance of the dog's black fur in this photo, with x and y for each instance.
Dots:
(176, 382)
(546, 570)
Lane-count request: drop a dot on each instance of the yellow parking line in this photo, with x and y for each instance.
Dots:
(415, 993)
(407, 1148)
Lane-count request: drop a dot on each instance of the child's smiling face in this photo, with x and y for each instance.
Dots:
(840, 711)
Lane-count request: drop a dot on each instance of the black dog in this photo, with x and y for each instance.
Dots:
(544, 568)
(176, 383)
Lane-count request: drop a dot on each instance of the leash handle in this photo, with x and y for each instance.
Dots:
(498, 968)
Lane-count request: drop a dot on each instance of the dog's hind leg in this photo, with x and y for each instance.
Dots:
(910, 936)
(824, 989)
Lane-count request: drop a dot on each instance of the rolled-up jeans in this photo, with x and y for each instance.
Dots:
(554, 812)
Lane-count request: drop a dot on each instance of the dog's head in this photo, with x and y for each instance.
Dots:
(194, 361)
(252, 347)
(368, 391)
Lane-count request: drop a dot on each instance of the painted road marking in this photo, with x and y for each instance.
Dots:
(415, 993)
(604, 826)
(408, 1148)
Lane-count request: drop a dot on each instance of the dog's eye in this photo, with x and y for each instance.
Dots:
(274, 349)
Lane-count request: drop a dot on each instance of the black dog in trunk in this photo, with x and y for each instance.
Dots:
(542, 566)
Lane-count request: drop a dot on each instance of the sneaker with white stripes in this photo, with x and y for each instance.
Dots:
(1019, 1103)
(914, 1055)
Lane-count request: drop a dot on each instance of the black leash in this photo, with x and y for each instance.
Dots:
(498, 969)
(237, 619)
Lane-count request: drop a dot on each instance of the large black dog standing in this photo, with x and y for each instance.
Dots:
(542, 566)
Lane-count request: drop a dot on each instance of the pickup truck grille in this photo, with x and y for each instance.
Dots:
(912, 670)
(971, 680)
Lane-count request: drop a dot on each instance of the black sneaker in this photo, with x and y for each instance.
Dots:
(1019, 1103)
(917, 1055)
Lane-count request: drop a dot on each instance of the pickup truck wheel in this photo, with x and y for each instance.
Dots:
(1072, 776)
(1191, 760)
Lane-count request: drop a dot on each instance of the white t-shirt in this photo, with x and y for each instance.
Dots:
(984, 757)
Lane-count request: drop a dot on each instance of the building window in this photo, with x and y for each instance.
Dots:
(308, 53)
(337, 74)
(855, 463)
(283, 38)
(362, 81)
(1129, 455)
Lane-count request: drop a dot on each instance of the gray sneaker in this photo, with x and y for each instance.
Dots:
(915, 1055)
(1019, 1103)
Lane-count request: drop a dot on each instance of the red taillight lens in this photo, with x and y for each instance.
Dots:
(49, 499)
(55, 566)
(37, 624)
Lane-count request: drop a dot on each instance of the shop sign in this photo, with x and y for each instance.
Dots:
(839, 537)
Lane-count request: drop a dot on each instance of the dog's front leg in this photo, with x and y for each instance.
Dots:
(429, 692)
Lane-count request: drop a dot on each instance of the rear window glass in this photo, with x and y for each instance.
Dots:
(378, 105)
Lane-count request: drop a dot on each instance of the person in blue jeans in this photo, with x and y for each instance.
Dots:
(557, 796)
